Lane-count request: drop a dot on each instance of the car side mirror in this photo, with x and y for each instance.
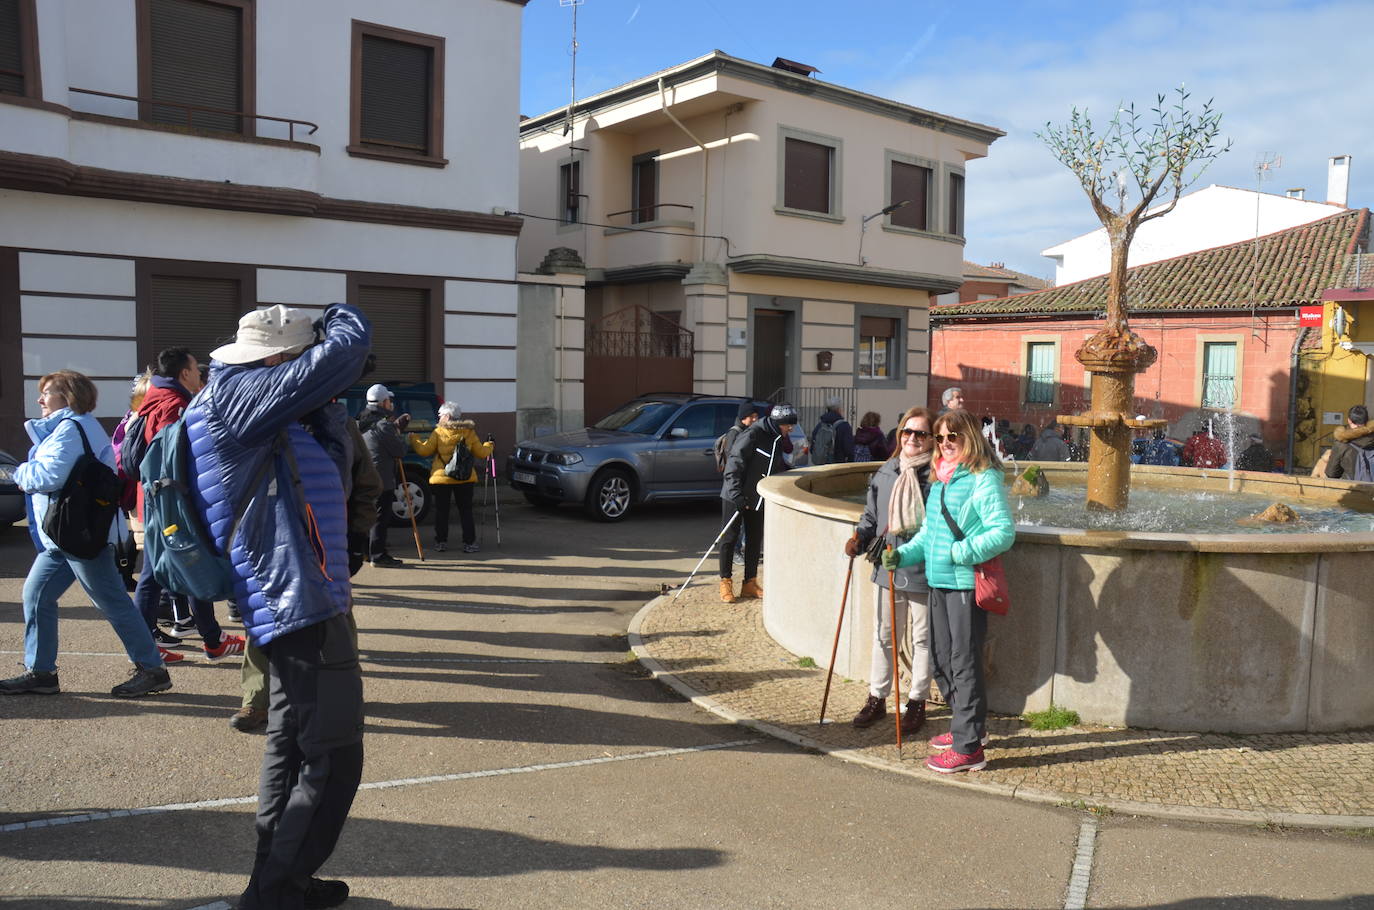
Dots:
(677, 433)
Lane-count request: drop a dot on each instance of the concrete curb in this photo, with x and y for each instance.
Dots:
(964, 781)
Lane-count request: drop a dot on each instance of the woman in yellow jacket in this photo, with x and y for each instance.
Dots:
(452, 432)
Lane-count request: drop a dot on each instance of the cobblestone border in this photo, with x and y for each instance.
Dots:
(964, 781)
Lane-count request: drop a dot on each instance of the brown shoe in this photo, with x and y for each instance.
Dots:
(727, 591)
(248, 719)
(914, 718)
(751, 588)
(874, 710)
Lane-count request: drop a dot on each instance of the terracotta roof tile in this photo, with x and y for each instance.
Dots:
(1285, 269)
(1002, 273)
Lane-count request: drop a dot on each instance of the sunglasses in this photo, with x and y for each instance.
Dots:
(919, 434)
(941, 438)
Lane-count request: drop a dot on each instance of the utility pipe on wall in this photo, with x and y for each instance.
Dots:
(705, 161)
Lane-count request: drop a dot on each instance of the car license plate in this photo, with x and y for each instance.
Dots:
(522, 477)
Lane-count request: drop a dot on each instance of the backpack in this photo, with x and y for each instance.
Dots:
(1364, 465)
(862, 452)
(460, 463)
(823, 443)
(129, 456)
(176, 543)
(79, 517)
(722, 451)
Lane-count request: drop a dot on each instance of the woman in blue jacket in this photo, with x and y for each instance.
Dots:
(968, 486)
(65, 401)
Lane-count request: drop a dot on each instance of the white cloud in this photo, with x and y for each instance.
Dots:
(1286, 79)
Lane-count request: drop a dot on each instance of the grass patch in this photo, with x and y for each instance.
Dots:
(1052, 718)
(806, 663)
(1357, 832)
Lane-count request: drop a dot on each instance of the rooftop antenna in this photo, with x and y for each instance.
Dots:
(1265, 165)
(572, 87)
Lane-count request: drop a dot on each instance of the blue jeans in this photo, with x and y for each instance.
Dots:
(51, 575)
(149, 592)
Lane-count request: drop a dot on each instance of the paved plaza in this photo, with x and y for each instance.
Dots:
(519, 755)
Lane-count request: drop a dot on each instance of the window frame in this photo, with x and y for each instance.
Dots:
(146, 269)
(434, 155)
(638, 161)
(1199, 377)
(1027, 341)
(897, 365)
(891, 156)
(435, 344)
(561, 203)
(947, 172)
(836, 146)
(30, 65)
(247, 65)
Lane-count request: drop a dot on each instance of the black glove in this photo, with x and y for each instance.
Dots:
(741, 505)
(357, 552)
(318, 326)
(491, 437)
(402, 422)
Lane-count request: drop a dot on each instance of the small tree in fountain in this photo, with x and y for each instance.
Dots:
(1136, 161)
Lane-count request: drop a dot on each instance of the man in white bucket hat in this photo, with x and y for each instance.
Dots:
(268, 449)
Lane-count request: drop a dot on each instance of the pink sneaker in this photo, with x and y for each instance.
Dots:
(170, 657)
(228, 644)
(946, 741)
(949, 761)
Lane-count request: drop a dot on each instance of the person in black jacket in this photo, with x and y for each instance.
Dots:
(757, 453)
(382, 434)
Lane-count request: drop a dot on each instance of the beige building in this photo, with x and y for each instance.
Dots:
(737, 229)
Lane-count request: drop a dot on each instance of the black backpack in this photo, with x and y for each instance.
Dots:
(461, 462)
(79, 517)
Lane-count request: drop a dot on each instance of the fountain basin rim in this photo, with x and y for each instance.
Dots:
(794, 490)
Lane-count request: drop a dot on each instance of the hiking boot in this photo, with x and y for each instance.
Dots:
(165, 639)
(386, 561)
(228, 644)
(751, 588)
(469, 548)
(323, 893)
(914, 718)
(143, 681)
(170, 657)
(35, 681)
(874, 710)
(440, 546)
(949, 761)
(727, 591)
(247, 719)
(946, 741)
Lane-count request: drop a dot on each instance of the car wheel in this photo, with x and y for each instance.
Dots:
(540, 501)
(610, 496)
(418, 485)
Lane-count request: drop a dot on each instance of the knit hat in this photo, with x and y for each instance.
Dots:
(275, 330)
(746, 409)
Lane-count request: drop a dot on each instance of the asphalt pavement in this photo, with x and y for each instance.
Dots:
(518, 756)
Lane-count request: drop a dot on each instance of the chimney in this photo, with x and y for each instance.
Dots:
(1298, 192)
(1338, 179)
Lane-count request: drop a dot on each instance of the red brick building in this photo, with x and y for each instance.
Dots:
(1224, 321)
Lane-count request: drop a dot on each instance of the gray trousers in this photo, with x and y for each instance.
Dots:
(911, 611)
(958, 629)
(313, 761)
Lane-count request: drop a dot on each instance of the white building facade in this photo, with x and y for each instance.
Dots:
(166, 165)
(1213, 216)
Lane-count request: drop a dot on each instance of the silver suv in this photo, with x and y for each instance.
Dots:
(657, 447)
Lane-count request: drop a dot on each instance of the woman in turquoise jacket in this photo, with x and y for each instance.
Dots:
(968, 487)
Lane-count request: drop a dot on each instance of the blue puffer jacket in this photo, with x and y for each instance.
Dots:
(290, 553)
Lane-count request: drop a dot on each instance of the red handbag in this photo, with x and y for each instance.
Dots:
(990, 590)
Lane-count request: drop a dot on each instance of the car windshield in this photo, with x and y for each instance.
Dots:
(637, 417)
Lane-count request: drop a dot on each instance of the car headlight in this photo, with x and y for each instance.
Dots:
(6, 473)
(564, 458)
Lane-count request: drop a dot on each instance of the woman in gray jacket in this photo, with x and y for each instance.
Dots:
(894, 511)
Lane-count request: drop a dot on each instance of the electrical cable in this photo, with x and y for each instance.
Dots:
(621, 227)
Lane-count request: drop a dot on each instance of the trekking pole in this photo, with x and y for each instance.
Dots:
(410, 509)
(495, 492)
(705, 555)
(896, 665)
(835, 648)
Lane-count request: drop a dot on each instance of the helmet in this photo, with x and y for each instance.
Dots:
(783, 414)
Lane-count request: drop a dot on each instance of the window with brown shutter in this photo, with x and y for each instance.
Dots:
(956, 205)
(19, 49)
(397, 95)
(192, 305)
(570, 192)
(644, 188)
(400, 331)
(910, 183)
(807, 174)
(196, 63)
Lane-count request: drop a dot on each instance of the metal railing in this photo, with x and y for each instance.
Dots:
(810, 403)
(640, 344)
(644, 208)
(191, 110)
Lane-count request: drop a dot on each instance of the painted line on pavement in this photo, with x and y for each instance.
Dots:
(217, 905)
(1081, 877)
(374, 785)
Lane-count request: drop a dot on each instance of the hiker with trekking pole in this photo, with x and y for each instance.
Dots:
(382, 430)
(453, 478)
(893, 512)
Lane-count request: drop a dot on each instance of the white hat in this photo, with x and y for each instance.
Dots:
(378, 393)
(262, 333)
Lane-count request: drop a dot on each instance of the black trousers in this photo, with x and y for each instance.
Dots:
(750, 521)
(462, 494)
(958, 628)
(376, 538)
(313, 760)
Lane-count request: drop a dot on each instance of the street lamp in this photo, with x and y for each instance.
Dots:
(863, 224)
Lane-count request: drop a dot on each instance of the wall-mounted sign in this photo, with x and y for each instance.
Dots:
(1333, 418)
(1310, 316)
(735, 337)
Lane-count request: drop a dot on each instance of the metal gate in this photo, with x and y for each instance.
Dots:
(633, 352)
(810, 403)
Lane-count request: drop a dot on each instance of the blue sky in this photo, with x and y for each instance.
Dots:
(1283, 73)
